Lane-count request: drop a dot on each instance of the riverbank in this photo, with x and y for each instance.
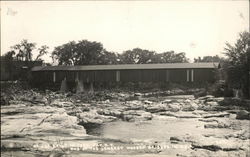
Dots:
(124, 123)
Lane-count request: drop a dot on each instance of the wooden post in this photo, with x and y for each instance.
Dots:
(187, 75)
(192, 75)
(167, 75)
(54, 77)
(117, 76)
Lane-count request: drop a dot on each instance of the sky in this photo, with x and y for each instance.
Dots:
(198, 28)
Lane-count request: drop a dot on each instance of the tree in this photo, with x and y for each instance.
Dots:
(215, 58)
(83, 52)
(238, 70)
(136, 56)
(8, 60)
(171, 57)
(42, 51)
(24, 50)
(140, 56)
(107, 57)
(9, 55)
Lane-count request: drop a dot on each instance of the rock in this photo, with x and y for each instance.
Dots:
(146, 116)
(177, 92)
(205, 97)
(156, 108)
(191, 106)
(180, 114)
(108, 112)
(59, 103)
(212, 103)
(218, 99)
(219, 153)
(39, 99)
(174, 107)
(199, 112)
(25, 109)
(208, 120)
(106, 101)
(211, 106)
(242, 134)
(217, 125)
(201, 93)
(181, 97)
(133, 115)
(138, 94)
(40, 121)
(216, 144)
(243, 114)
(93, 117)
(168, 114)
(175, 139)
(233, 111)
(187, 101)
(216, 115)
(148, 102)
(134, 105)
(208, 147)
(166, 101)
(74, 111)
(167, 92)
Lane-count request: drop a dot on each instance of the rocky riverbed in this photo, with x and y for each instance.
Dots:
(123, 123)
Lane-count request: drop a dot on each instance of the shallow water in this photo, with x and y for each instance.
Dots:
(155, 129)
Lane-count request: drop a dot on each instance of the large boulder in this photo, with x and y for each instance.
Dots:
(39, 121)
(93, 117)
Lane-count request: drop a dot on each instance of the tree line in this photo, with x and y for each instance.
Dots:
(235, 66)
(86, 52)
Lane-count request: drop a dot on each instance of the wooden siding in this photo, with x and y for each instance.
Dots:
(86, 76)
(105, 76)
(130, 75)
(158, 75)
(60, 75)
(151, 75)
(40, 77)
(178, 75)
(202, 75)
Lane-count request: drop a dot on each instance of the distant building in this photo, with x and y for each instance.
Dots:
(171, 72)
